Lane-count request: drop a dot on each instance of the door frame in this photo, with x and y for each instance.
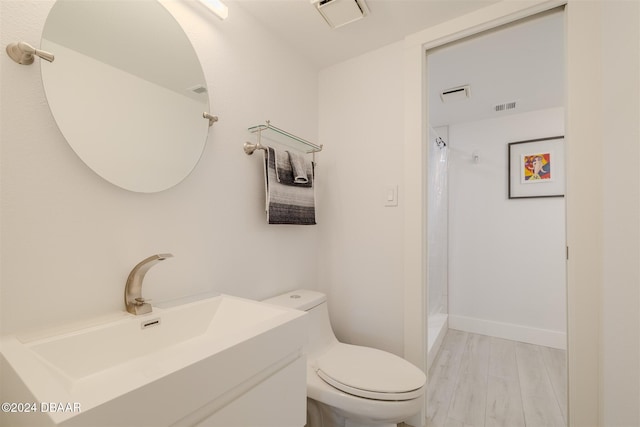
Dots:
(583, 272)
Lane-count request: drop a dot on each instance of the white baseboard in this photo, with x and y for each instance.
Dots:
(509, 331)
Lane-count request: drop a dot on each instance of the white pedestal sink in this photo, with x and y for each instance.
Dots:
(221, 361)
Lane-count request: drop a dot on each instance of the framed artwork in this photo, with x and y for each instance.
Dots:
(536, 168)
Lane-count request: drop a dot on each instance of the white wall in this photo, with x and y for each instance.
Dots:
(602, 213)
(69, 238)
(361, 118)
(507, 256)
(620, 112)
(361, 248)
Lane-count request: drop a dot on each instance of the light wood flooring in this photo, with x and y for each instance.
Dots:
(481, 381)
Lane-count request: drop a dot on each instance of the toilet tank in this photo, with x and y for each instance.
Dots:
(321, 335)
(300, 299)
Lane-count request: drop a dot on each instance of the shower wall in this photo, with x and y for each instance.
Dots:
(437, 237)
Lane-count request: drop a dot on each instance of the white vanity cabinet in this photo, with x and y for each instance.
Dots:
(279, 401)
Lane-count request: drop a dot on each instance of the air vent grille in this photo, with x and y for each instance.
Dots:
(197, 89)
(455, 93)
(505, 106)
(341, 12)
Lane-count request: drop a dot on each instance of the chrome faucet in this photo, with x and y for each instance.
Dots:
(133, 300)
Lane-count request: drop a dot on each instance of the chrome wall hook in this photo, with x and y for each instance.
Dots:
(23, 53)
(211, 117)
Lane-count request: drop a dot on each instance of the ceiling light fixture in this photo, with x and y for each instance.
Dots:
(216, 6)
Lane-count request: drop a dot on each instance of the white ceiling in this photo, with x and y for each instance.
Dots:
(522, 63)
(298, 24)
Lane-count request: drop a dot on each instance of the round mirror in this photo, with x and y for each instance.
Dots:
(127, 90)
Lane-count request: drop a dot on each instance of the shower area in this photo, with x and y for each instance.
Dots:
(437, 240)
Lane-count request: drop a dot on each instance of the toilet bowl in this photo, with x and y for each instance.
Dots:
(349, 385)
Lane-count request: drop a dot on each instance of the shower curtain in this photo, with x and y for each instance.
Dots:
(437, 233)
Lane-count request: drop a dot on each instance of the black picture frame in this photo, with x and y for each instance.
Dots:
(536, 168)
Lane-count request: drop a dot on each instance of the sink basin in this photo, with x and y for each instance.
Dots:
(100, 368)
(87, 352)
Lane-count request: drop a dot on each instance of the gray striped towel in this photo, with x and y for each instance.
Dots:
(287, 202)
(300, 166)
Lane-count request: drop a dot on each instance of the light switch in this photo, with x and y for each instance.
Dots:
(391, 196)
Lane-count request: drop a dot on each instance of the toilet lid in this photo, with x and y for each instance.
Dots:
(370, 373)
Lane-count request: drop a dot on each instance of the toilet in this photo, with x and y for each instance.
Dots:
(349, 385)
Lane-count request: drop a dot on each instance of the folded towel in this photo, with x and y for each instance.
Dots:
(287, 204)
(284, 170)
(300, 166)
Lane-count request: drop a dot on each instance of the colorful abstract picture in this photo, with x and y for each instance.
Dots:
(530, 162)
(536, 168)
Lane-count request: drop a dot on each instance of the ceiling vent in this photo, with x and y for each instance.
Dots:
(455, 93)
(341, 12)
(505, 106)
(197, 89)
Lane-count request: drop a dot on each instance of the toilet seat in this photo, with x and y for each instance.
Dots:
(370, 373)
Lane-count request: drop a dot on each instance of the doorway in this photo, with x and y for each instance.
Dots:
(501, 286)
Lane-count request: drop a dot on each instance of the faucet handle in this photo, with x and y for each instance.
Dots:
(141, 301)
